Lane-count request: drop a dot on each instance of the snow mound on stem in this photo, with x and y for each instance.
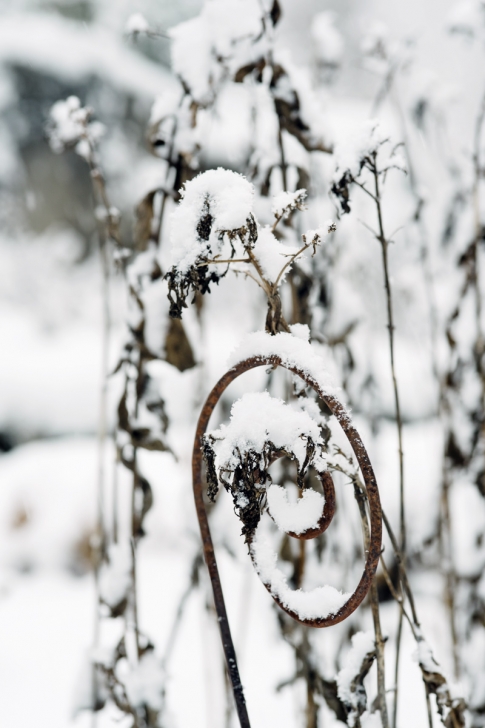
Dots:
(257, 418)
(318, 603)
(219, 200)
(363, 644)
(296, 517)
(293, 351)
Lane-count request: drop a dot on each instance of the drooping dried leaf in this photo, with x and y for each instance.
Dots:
(142, 233)
(178, 351)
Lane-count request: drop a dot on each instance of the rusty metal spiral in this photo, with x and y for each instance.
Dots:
(373, 553)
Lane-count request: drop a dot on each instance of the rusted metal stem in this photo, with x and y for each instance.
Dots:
(374, 549)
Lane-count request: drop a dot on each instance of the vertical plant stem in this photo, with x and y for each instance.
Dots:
(100, 535)
(374, 601)
(283, 165)
(480, 338)
(450, 574)
(390, 325)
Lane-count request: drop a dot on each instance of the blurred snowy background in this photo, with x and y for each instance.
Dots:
(51, 329)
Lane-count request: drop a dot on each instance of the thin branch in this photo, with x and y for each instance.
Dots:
(362, 187)
(216, 260)
(390, 325)
(293, 257)
(361, 499)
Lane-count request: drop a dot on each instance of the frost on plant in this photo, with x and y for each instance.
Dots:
(359, 152)
(350, 680)
(213, 227)
(214, 220)
(70, 125)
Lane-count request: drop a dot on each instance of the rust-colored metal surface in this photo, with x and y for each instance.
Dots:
(373, 554)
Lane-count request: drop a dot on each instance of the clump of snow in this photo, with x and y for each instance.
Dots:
(292, 350)
(272, 255)
(318, 235)
(363, 141)
(115, 576)
(286, 202)
(257, 418)
(363, 644)
(136, 24)
(320, 602)
(165, 104)
(423, 654)
(69, 125)
(301, 331)
(171, 127)
(224, 199)
(296, 517)
(467, 18)
(327, 41)
(371, 720)
(144, 683)
(224, 29)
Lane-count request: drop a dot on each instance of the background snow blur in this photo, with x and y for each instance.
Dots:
(50, 329)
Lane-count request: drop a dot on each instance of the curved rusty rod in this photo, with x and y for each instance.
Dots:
(373, 553)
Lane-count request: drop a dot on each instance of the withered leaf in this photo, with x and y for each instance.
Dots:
(178, 351)
(144, 218)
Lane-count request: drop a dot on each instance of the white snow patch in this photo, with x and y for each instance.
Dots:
(136, 24)
(362, 141)
(328, 42)
(363, 643)
(285, 202)
(272, 255)
(292, 350)
(466, 17)
(115, 576)
(144, 683)
(297, 517)
(70, 125)
(320, 602)
(371, 720)
(224, 29)
(226, 195)
(256, 418)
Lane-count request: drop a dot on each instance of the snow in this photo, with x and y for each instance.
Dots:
(352, 147)
(292, 350)
(318, 235)
(224, 29)
(50, 365)
(286, 202)
(424, 656)
(136, 24)
(467, 17)
(371, 720)
(320, 602)
(226, 196)
(257, 418)
(144, 683)
(299, 516)
(272, 255)
(116, 575)
(328, 42)
(70, 125)
(362, 644)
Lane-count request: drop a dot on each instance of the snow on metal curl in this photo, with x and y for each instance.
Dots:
(374, 550)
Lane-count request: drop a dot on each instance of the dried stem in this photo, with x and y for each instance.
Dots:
(374, 601)
(390, 325)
